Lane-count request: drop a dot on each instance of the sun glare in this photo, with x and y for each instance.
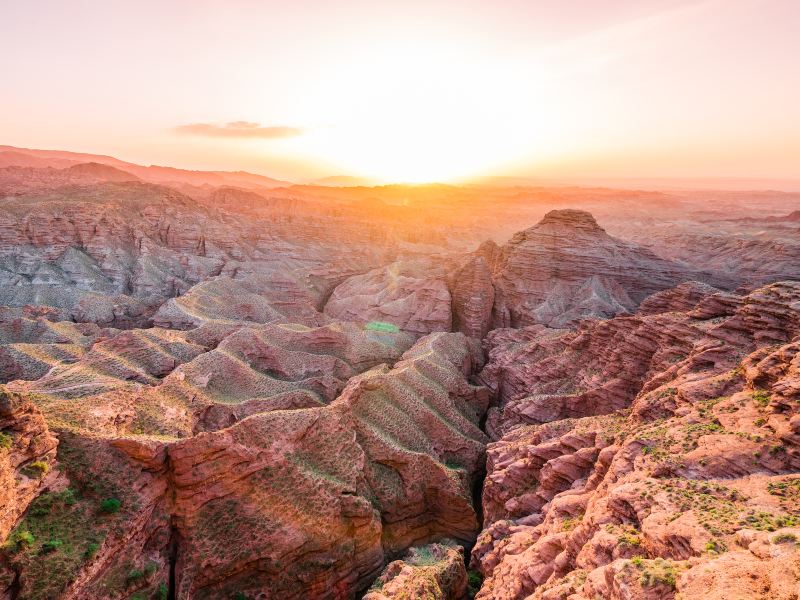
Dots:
(426, 116)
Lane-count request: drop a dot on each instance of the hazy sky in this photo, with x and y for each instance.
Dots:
(410, 90)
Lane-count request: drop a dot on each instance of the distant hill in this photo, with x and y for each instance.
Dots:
(343, 181)
(100, 172)
(11, 156)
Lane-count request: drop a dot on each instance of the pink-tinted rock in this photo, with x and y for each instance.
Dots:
(411, 296)
(567, 267)
(473, 298)
(27, 452)
(707, 453)
(432, 572)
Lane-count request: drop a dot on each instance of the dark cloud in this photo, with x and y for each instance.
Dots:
(237, 129)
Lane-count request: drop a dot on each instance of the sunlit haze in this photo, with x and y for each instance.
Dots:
(411, 91)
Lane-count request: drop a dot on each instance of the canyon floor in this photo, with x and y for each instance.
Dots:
(222, 386)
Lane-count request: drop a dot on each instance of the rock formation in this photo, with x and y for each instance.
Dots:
(412, 296)
(27, 451)
(644, 485)
(473, 298)
(432, 571)
(214, 387)
(567, 267)
(297, 503)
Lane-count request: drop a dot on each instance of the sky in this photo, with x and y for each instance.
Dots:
(411, 90)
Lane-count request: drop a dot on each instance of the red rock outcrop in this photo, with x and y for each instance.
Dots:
(253, 299)
(410, 295)
(472, 294)
(302, 503)
(432, 572)
(99, 530)
(318, 495)
(692, 490)
(678, 299)
(567, 267)
(27, 452)
(541, 375)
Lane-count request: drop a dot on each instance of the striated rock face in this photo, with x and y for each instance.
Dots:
(432, 572)
(410, 295)
(165, 382)
(129, 359)
(540, 375)
(276, 503)
(678, 299)
(316, 496)
(254, 299)
(473, 298)
(32, 346)
(299, 503)
(112, 252)
(27, 451)
(677, 480)
(567, 267)
(277, 367)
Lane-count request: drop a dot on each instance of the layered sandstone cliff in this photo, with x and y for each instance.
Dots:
(298, 503)
(649, 456)
(567, 267)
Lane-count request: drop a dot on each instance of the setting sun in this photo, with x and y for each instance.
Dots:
(426, 115)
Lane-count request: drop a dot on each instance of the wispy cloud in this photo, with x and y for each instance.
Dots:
(237, 129)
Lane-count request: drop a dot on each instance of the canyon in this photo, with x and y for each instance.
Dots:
(221, 385)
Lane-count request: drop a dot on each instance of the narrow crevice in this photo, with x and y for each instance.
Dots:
(477, 492)
(173, 559)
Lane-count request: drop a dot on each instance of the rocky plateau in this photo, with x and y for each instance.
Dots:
(222, 386)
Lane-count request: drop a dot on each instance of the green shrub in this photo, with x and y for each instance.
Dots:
(110, 506)
(787, 488)
(716, 547)
(629, 540)
(163, 592)
(474, 583)
(761, 397)
(38, 468)
(67, 496)
(570, 523)
(20, 539)
(51, 546)
(6, 441)
(784, 538)
(135, 575)
(659, 572)
(91, 549)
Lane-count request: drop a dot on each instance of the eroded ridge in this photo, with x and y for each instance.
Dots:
(679, 478)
